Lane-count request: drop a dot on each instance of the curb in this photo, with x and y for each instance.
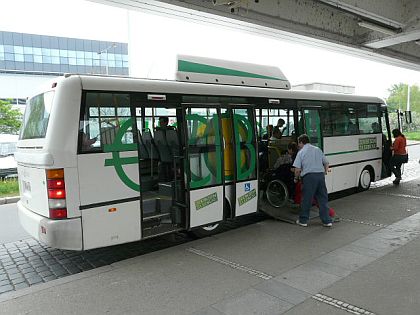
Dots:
(8, 200)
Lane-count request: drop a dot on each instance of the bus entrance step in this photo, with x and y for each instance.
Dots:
(160, 230)
(288, 213)
(156, 216)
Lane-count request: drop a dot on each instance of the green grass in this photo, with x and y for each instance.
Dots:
(9, 188)
(413, 135)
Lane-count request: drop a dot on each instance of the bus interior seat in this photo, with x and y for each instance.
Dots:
(108, 134)
(143, 152)
(273, 154)
(150, 145)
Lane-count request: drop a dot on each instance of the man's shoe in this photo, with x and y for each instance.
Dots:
(327, 224)
(301, 224)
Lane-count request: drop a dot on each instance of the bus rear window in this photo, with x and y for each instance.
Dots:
(37, 114)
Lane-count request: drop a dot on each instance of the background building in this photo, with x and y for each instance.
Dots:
(27, 60)
(325, 87)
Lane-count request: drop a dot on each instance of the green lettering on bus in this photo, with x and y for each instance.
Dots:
(204, 202)
(242, 123)
(247, 197)
(215, 167)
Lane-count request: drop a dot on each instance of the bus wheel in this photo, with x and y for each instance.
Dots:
(207, 230)
(365, 179)
(277, 193)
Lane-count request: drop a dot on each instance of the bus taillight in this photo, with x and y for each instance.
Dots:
(58, 213)
(56, 194)
(55, 183)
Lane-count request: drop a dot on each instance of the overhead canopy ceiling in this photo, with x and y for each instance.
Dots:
(383, 30)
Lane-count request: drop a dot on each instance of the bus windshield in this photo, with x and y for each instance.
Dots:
(37, 114)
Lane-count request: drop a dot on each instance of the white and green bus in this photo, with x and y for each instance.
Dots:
(109, 160)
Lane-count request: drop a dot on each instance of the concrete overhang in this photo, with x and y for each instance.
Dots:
(364, 28)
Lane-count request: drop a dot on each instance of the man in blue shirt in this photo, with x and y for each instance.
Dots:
(311, 165)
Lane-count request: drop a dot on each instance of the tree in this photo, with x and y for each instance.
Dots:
(10, 119)
(398, 97)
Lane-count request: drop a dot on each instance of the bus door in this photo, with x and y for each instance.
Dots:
(313, 128)
(204, 164)
(240, 158)
(160, 165)
(312, 125)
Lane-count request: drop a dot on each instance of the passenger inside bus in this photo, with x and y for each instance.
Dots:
(283, 169)
(280, 124)
(269, 133)
(87, 142)
(276, 135)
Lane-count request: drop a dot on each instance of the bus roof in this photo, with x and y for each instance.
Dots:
(126, 84)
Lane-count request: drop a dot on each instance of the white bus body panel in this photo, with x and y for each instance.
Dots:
(111, 225)
(33, 189)
(206, 206)
(99, 183)
(246, 197)
(64, 234)
(347, 150)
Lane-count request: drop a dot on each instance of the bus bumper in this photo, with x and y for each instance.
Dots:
(63, 234)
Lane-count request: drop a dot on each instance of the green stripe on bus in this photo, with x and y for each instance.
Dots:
(122, 161)
(344, 152)
(188, 66)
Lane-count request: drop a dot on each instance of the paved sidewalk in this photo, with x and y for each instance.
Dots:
(366, 264)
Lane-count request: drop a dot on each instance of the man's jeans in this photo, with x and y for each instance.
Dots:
(314, 186)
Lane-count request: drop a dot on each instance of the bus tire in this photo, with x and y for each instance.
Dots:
(207, 230)
(277, 193)
(365, 179)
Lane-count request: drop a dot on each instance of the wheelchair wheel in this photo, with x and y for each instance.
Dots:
(277, 193)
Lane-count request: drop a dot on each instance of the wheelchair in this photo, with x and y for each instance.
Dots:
(276, 185)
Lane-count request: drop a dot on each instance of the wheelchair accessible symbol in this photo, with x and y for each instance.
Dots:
(247, 186)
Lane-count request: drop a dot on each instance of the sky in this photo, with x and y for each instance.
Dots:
(154, 42)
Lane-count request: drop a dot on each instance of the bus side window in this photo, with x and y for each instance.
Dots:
(103, 115)
(368, 116)
(326, 123)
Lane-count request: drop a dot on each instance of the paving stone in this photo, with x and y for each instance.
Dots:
(41, 268)
(21, 285)
(30, 275)
(49, 278)
(45, 273)
(252, 301)
(56, 267)
(6, 288)
(283, 291)
(12, 270)
(17, 281)
(16, 275)
(346, 259)
(4, 282)
(24, 265)
(60, 273)
(208, 311)
(34, 280)
(307, 279)
(73, 270)
(27, 270)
